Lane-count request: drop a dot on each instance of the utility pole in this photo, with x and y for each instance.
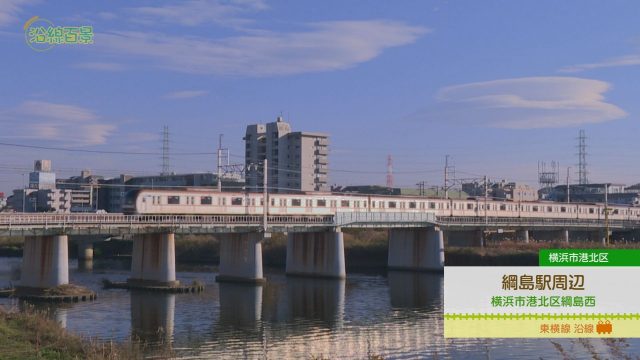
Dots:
(486, 215)
(421, 188)
(606, 214)
(220, 163)
(265, 196)
(568, 187)
(486, 200)
(446, 176)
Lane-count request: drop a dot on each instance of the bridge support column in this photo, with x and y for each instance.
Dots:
(565, 236)
(85, 250)
(522, 235)
(45, 262)
(241, 258)
(153, 261)
(319, 254)
(416, 249)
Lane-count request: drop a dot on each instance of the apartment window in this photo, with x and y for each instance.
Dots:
(173, 200)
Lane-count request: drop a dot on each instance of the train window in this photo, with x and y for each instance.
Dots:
(549, 209)
(206, 200)
(392, 204)
(273, 202)
(563, 209)
(503, 207)
(283, 202)
(591, 211)
(236, 201)
(173, 200)
(615, 212)
(469, 206)
(412, 205)
(356, 204)
(224, 201)
(321, 202)
(261, 202)
(432, 205)
(296, 202)
(344, 203)
(373, 204)
(402, 204)
(334, 203)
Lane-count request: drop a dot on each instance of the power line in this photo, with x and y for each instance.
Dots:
(101, 151)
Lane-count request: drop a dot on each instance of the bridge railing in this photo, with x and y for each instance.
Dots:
(551, 222)
(372, 218)
(117, 219)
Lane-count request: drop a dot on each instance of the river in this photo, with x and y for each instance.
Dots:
(395, 315)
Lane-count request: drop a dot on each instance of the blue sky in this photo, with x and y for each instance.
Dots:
(497, 85)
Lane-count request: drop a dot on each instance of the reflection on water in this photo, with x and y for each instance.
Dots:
(315, 299)
(396, 316)
(240, 305)
(85, 265)
(415, 289)
(152, 316)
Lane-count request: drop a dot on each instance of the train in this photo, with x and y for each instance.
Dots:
(211, 202)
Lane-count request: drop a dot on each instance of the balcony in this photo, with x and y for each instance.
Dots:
(321, 151)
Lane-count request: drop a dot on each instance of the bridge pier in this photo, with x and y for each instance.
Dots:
(153, 261)
(319, 254)
(565, 236)
(45, 262)
(416, 249)
(241, 257)
(522, 235)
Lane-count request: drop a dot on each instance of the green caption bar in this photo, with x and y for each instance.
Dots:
(589, 257)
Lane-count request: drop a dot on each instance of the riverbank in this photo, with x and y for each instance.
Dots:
(32, 335)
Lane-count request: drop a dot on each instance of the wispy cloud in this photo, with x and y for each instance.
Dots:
(525, 103)
(628, 60)
(67, 124)
(197, 12)
(325, 46)
(101, 66)
(11, 9)
(185, 94)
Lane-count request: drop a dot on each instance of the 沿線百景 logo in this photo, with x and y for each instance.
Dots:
(41, 35)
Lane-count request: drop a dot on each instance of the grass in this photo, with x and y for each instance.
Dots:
(31, 334)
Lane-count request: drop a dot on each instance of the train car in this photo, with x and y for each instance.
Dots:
(211, 202)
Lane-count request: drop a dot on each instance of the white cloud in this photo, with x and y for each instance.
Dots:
(197, 12)
(628, 60)
(67, 124)
(11, 9)
(185, 94)
(101, 66)
(526, 103)
(326, 46)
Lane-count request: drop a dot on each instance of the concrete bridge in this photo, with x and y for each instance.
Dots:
(315, 245)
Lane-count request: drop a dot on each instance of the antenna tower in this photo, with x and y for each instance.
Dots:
(165, 151)
(389, 171)
(582, 158)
